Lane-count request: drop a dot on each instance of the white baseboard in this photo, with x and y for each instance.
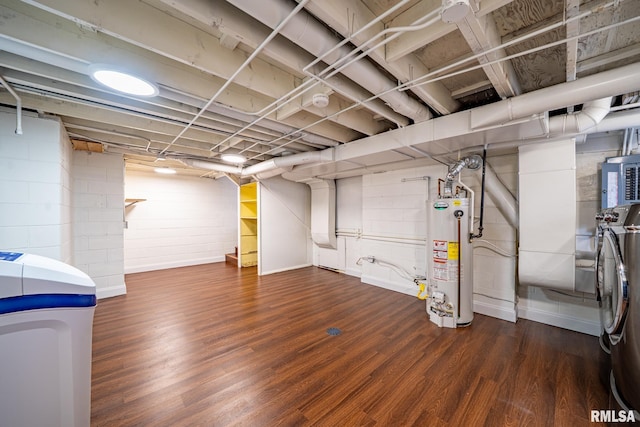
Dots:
(111, 291)
(280, 270)
(392, 286)
(353, 272)
(173, 264)
(560, 320)
(493, 310)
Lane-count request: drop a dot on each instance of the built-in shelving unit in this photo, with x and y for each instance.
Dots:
(248, 229)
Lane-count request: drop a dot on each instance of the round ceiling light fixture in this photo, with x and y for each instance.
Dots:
(233, 158)
(454, 10)
(320, 100)
(121, 81)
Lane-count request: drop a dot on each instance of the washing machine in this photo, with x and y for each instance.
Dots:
(618, 292)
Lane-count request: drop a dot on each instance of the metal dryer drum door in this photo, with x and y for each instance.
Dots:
(612, 285)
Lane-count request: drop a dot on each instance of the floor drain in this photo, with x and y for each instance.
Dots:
(334, 331)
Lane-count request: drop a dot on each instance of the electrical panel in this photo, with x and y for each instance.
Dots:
(620, 181)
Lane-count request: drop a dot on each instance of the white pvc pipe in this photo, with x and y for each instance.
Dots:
(472, 198)
(226, 16)
(226, 84)
(18, 105)
(308, 33)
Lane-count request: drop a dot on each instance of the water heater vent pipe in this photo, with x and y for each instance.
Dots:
(471, 162)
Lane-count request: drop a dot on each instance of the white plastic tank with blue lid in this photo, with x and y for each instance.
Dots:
(46, 323)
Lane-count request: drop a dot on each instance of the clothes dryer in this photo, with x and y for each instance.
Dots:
(618, 290)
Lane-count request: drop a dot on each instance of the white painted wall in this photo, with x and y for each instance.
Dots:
(35, 187)
(284, 227)
(494, 263)
(184, 221)
(98, 226)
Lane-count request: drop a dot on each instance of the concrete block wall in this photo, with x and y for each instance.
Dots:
(98, 219)
(35, 187)
(394, 218)
(184, 221)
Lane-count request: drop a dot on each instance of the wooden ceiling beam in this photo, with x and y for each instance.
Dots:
(348, 16)
(481, 34)
(572, 8)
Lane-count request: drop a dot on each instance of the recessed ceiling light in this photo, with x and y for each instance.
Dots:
(166, 171)
(121, 81)
(234, 158)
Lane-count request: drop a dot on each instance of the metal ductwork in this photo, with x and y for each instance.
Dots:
(212, 166)
(591, 114)
(457, 125)
(266, 169)
(289, 161)
(323, 212)
(505, 202)
(307, 32)
(471, 162)
(602, 85)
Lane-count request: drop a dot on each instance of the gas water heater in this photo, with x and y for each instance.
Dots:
(450, 262)
(449, 249)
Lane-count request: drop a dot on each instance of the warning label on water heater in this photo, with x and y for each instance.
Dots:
(452, 250)
(440, 245)
(441, 255)
(440, 270)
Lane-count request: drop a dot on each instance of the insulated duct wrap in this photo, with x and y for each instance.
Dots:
(547, 182)
(323, 212)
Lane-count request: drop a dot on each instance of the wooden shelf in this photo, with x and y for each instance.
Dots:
(131, 202)
(248, 231)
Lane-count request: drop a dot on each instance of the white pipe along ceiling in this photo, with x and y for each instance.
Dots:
(403, 86)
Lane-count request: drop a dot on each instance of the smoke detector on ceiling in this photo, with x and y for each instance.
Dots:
(454, 10)
(320, 100)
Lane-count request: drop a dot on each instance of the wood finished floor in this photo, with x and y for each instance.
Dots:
(213, 345)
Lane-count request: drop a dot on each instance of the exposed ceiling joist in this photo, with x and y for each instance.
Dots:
(190, 48)
(572, 8)
(482, 35)
(348, 16)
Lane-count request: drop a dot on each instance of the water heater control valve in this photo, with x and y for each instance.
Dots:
(438, 297)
